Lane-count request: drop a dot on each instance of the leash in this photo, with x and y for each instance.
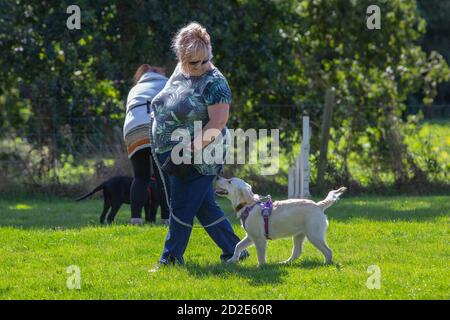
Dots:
(266, 212)
(162, 175)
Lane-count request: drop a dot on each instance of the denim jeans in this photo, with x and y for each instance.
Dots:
(192, 197)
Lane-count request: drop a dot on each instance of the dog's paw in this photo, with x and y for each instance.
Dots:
(261, 265)
(232, 260)
(285, 262)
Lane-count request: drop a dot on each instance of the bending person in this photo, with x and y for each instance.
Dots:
(148, 82)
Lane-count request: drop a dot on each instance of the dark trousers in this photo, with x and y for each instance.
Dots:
(143, 168)
(192, 197)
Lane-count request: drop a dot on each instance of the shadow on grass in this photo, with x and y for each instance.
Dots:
(271, 273)
(307, 263)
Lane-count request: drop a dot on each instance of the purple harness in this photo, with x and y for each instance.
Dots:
(266, 211)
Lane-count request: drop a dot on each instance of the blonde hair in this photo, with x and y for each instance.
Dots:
(191, 41)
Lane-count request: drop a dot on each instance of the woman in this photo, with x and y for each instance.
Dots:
(148, 82)
(196, 91)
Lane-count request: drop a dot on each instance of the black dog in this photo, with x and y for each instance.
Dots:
(116, 191)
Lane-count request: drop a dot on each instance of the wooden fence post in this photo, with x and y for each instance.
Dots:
(325, 137)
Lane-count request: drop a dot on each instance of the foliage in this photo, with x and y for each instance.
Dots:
(429, 143)
(273, 53)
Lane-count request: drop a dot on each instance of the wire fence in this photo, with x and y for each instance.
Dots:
(40, 149)
(440, 111)
(86, 136)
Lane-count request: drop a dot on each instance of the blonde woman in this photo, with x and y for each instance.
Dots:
(196, 91)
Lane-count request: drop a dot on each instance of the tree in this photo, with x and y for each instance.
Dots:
(283, 52)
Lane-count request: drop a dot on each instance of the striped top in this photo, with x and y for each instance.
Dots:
(136, 128)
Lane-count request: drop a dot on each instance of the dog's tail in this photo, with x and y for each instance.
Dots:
(331, 198)
(100, 187)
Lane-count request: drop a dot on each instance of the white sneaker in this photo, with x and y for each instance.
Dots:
(136, 221)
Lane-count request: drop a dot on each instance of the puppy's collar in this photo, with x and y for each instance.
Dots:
(244, 205)
(240, 206)
(243, 209)
(245, 212)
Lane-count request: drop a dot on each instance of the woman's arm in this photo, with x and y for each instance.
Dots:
(218, 117)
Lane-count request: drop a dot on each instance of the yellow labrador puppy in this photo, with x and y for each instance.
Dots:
(298, 218)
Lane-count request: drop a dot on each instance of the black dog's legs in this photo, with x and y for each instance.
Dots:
(106, 207)
(115, 208)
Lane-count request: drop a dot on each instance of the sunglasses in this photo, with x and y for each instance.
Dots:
(193, 63)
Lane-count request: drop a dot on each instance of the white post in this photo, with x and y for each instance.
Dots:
(291, 183)
(298, 173)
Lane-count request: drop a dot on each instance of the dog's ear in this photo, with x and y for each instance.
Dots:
(247, 195)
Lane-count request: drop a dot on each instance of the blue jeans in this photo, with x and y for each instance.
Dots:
(190, 197)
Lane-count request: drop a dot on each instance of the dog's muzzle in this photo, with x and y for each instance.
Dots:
(221, 192)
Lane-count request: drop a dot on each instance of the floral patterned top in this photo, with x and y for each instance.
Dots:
(185, 100)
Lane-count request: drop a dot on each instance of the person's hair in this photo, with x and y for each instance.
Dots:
(144, 68)
(191, 41)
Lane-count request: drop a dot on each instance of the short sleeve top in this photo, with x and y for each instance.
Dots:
(184, 102)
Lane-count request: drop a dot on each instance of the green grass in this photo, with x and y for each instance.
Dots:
(407, 237)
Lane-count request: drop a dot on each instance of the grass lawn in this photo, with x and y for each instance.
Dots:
(406, 237)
